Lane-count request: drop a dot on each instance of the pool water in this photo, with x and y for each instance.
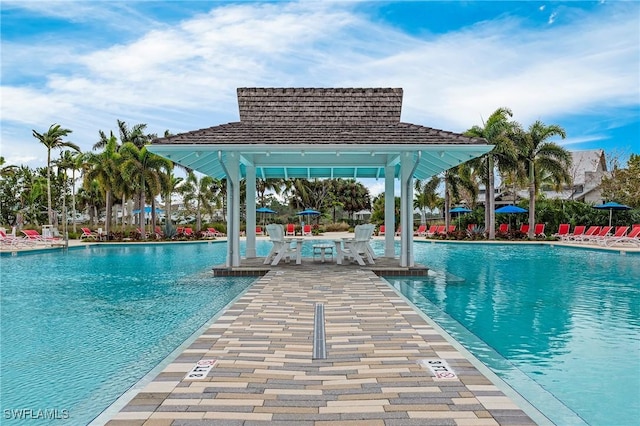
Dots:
(79, 328)
(560, 325)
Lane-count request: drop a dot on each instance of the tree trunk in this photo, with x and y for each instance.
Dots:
(492, 200)
(49, 209)
(447, 207)
(532, 200)
(143, 233)
(107, 216)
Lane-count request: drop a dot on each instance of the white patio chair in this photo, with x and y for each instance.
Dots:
(281, 248)
(358, 248)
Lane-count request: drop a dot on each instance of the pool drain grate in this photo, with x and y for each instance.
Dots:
(319, 344)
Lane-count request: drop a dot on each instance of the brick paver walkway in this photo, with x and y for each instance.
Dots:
(371, 375)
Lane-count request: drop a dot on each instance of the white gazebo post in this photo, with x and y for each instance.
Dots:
(389, 211)
(407, 167)
(250, 179)
(232, 167)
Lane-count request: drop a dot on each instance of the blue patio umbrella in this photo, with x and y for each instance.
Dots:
(308, 212)
(459, 211)
(264, 211)
(611, 206)
(147, 210)
(511, 210)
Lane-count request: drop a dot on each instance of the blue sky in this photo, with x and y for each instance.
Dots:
(175, 65)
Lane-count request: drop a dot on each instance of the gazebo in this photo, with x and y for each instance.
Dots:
(319, 133)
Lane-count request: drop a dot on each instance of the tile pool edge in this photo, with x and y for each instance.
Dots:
(115, 407)
(536, 415)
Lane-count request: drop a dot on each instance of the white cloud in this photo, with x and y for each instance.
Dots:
(185, 76)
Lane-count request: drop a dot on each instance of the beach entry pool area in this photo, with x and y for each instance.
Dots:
(560, 325)
(80, 327)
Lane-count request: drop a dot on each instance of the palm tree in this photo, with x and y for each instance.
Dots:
(542, 158)
(52, 139)
(426, 196)
(199, 192)
(104, 168)
(496, 131)
(143, 169)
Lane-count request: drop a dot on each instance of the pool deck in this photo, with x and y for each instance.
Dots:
(371, 375)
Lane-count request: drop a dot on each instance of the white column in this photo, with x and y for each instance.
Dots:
(389, 211)
(406, 209)
(233, 209)
(250, 179)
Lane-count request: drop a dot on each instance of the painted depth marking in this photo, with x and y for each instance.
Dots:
(201, 369)
(439, 368)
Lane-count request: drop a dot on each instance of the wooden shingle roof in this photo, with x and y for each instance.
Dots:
(294, 106)
(319, 132)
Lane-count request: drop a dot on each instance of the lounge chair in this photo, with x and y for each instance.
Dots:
(11, 241)
(471, 227)
(433, 229)
(259, 230)
(291, 229)
(452, 229)
(306, 230)
(592, 232)
(538, 231)
(577, 231)
(381, 230)
(358, 248)
(212, 233)
(158, 232)
(563, 230)
(188, 232)
(503, 228)
(441, 230)
(632, 239)
(621, 231)
(281, 248)
(524, 228)
(421, 231)
(88, 234)
(35, 237)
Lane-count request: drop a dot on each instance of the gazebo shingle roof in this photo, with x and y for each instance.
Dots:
(347, 132)
(293, 106)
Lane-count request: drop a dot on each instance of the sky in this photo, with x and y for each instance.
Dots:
(176, 65)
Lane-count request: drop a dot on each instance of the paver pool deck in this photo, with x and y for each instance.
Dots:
(265, 371)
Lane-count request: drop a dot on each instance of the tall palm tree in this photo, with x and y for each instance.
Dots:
(542, 158)
(426, 195)
(52, 139)
(496, 131)
(143, 169)
(198, 195)
(104, 168)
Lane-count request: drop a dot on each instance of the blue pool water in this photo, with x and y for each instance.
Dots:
(560, 325)
(79, 328)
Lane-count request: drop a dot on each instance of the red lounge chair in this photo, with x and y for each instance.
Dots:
(432, 230)
(87, 233)
(563, 230)
(592, 231)
(422, 230)
(632, 238)
(35, 237)
(306, 230)
(188, 232)
(259, 230)
(471, 227)
(452, 228)
(211, 233)
(441, 230)
(524, 228)
(11, 241)
(538, 231)
(381, 230)
(291, 229)
(504, 228)
(577, 231)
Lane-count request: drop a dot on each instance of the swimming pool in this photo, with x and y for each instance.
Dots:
(79, 328)
(560, 325)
